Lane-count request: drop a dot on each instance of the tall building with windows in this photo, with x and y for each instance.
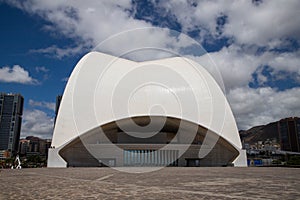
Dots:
(32, 145)
(58, 100)
(289, 134)
(11, 110)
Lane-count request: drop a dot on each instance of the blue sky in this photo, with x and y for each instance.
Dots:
(255, 45)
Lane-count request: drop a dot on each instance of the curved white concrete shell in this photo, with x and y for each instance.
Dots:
(175, 98)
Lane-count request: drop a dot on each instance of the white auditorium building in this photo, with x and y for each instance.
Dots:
(120, 113)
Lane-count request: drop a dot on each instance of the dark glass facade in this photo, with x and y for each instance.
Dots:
(11, 110)
(58, 100)
(289, 134)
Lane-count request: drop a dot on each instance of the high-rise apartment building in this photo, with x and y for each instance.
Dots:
(289, 134)
(34, 146)
(11, 110)
(58, 100)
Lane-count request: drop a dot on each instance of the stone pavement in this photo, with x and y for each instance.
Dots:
(168, 183)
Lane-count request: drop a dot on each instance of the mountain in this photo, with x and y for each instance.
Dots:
(260, 133)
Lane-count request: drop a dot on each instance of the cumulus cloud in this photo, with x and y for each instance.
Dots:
(261, 23)
(16, 74)
(38, 123)
(270, 21)
(258, 34)
(42, 104)
(91, 23)
(264, 23)
(263, 105)
(237, 65)
(87, 20)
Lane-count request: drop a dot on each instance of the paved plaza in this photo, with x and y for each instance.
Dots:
(167, 183)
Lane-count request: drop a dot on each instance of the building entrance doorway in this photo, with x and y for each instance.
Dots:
(150, 157)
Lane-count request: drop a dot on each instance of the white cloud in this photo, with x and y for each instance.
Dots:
(41, 69)
(235, 67)
(16, 74)
(38, 123)
(42, 104)
(236, 64)
(90, 23)
(265, 24)
(84, 20)
(270, 24)
(287, 61)
(59, 52)
(263, 105)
